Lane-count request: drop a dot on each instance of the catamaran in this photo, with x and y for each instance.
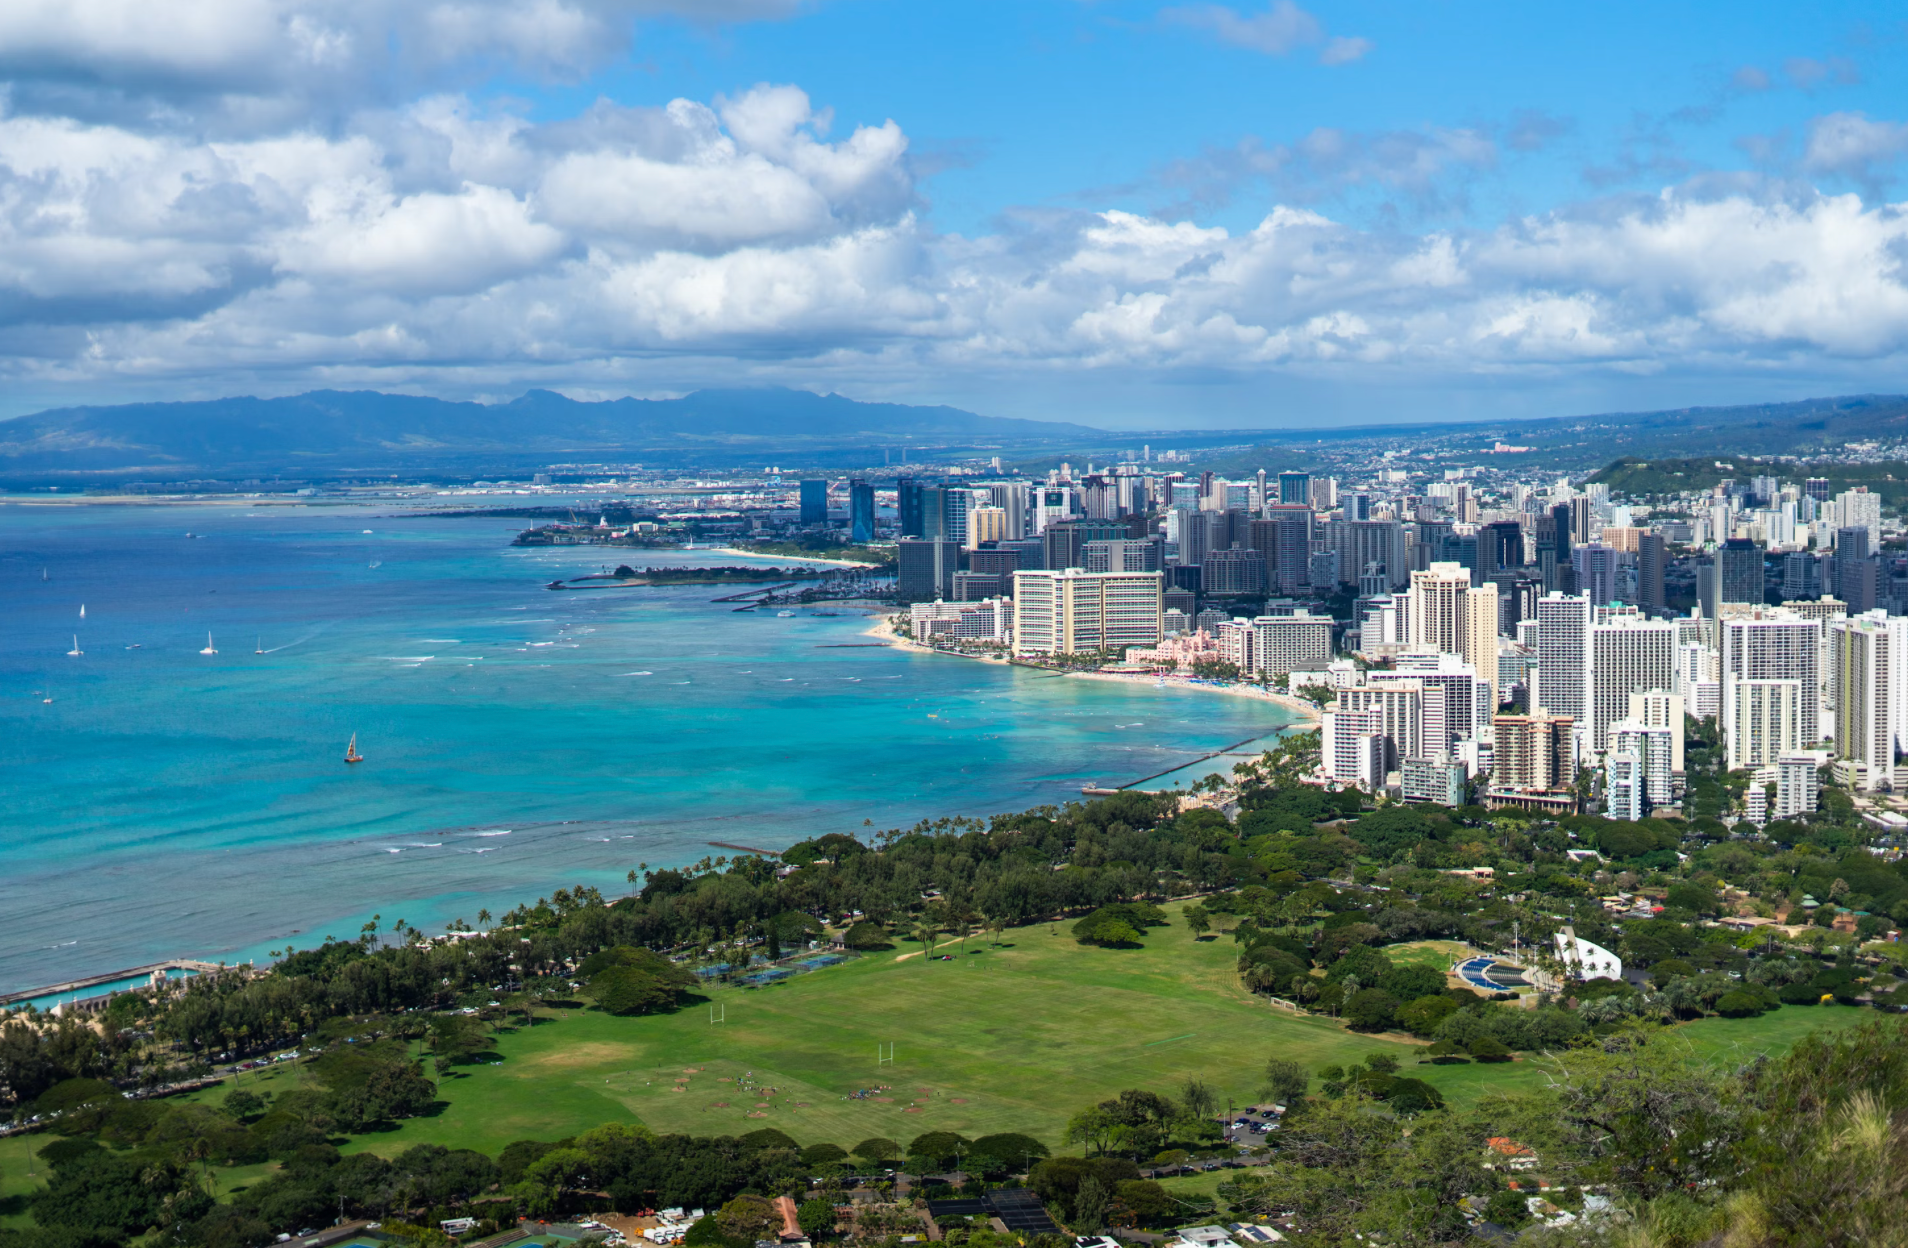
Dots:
(208, 645)
(75, 652)
(351, 751)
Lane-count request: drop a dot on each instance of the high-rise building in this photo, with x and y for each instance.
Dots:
(1535, 761)
(1563, 638)
(1069, 611)
(814, 496)
(910, 516)
(1123, 555)
(1855, 574)
(1868, 691)
(1797, 782)
(1654, 746)
(1353, 747)
(1739, 568)
(1765, 718)
(1364, 542)
(1500, 547)
(1324, 493)
(925, 568)
(861, 511)
(1451, 617)
(1652, 560)
(1801, 575)
(1284, 540)
(1401, 705)
(1463, 708)
(1066, 543)
(955, 504)
(1626, 655)
(1624, 787)
(1596, 566)
(1553, 548)
(1817, 488)
(1773, 644)
(986, 525)
(1282, 644)
(1295, 487)
(1232, 573)
(1858, 507)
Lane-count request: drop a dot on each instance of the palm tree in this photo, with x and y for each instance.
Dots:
(483, 919)
(925, 931)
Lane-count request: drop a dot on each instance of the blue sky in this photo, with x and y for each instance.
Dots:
(1123, 213)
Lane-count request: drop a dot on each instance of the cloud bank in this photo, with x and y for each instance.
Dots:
(172, 222)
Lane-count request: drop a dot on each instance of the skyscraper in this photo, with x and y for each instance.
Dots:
(814, 496)
(1869, 689)
(1070, 611)
(1652, 559)
(1626, 655)
(1771, 645)
(909, 516)
(861, 511)
(1295, 487)
(1563, 635)
(1739, 564)
(1596, 566)
(1448, 615)
(926, 568)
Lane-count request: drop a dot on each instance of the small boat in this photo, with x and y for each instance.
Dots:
(208, 645)
(135, 646)
(43, 577)
(75, 652)
(351, 751)
(260, 649)
(82, 610)
(784, 615)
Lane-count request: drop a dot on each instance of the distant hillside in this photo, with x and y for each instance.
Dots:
(330, 431)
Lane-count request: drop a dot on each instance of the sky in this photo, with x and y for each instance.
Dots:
(1122, 213)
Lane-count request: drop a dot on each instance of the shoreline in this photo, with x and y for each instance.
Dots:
(756, 554)
(1308, 712)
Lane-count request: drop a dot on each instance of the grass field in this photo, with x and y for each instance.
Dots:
(1015, 1037)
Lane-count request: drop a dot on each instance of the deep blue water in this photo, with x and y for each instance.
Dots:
(171, 804)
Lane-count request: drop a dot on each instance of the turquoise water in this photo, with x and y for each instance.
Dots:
(167, 803)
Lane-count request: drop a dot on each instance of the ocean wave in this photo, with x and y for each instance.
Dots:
(424, 844)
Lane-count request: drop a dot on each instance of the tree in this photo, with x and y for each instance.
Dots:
(1286, 1082)
(816, 1217)
(1198, 919)
(749, 1218)
(1371, 1009)
(877, 1150)
(1090, 1205)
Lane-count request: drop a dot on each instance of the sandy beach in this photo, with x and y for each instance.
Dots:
(883, 628)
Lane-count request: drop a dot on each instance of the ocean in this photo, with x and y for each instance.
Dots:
(167, 803)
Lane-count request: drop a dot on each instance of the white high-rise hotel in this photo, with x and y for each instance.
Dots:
(1769, 646)
(1627, 654)
(1868, 689)
(1446, 614)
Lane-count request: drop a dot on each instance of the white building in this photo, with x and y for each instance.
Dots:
(1859, 507)
(1400, 705)
(1868, 686)
(1627, 655)
(1290, 643)
(1450, 617)
(1653, 747)
(1563, 637)
(1625, 790)
(1798, 784)
(1352, 747)
(1698, 678)
(1764, 722)
(1465, 710)
(1066, 612)
(990, 619)
(1771, 644)
(1583, 960)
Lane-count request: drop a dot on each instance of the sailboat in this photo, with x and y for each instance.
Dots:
(351, 751)
(260, 649)
(75, 652)
(208, 645)
(82, 610)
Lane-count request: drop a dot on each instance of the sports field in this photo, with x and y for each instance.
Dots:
(1013, 1037)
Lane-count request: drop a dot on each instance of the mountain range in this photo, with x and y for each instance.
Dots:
(334, 432)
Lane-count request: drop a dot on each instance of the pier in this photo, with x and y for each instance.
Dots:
(112, 983)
